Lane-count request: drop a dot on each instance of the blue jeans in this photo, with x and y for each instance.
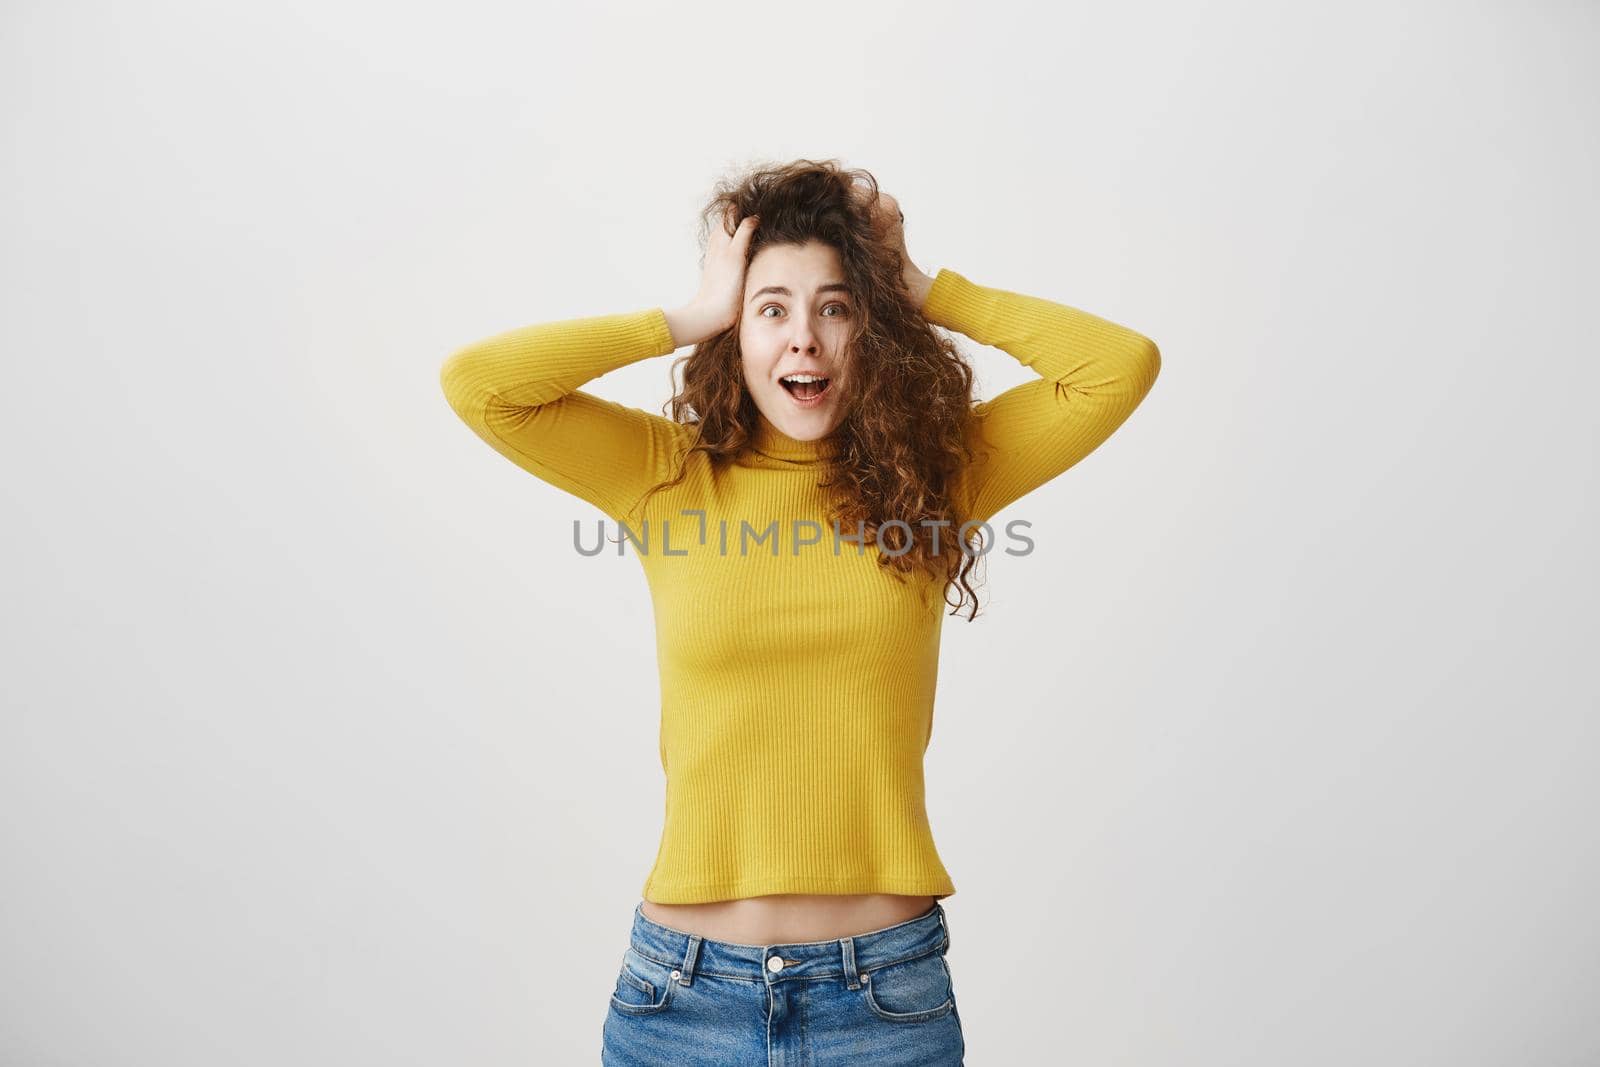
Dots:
(882, 998)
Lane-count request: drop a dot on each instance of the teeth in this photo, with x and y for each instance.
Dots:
(803, 378)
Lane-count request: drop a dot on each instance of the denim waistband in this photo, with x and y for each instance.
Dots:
(841, 957)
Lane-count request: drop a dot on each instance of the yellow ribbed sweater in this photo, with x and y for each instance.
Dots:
(797, 683)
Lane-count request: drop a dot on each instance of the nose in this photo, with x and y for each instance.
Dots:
(804, 339)
(803, 334)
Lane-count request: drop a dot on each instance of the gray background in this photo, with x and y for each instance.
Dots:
(321, 745)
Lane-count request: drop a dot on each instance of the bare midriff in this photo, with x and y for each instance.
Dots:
(789, 918)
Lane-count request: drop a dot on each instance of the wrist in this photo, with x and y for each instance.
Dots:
(918, 285)
(690, 324)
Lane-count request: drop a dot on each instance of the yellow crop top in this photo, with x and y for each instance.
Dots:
(797, 678)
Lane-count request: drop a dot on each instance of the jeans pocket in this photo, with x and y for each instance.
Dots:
(911, 991)
(644, 986)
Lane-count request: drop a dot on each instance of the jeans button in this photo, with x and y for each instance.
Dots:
(774, 964)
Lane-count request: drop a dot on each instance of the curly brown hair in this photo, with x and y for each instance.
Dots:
(902, 440)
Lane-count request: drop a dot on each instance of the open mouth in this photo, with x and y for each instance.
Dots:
(806, 389)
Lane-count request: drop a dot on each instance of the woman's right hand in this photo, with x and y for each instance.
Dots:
(716, 306)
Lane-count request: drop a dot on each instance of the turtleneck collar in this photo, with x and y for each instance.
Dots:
(773, 442)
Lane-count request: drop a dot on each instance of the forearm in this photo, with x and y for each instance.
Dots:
(918, 285)
(1078, 350)
(538, 364)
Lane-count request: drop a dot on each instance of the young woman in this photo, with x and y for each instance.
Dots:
(822, 487)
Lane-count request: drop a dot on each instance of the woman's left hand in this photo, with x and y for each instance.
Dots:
(891, 224)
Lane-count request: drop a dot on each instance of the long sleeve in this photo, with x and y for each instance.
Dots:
(518, 391)
(1093, 373)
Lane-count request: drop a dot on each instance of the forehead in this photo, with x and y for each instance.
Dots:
(812, 263)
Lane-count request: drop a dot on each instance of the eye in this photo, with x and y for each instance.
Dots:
(843, 308)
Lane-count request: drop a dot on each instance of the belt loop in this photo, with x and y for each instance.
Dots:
(851, 979)
(689, 960)
(944, 924)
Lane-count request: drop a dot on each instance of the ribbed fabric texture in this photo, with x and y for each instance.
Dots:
(797, 676)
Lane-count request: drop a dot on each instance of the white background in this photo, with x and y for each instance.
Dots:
(321, 745)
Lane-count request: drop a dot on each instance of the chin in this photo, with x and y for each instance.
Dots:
(808, 426)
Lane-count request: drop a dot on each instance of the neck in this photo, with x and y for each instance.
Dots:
(773, 442)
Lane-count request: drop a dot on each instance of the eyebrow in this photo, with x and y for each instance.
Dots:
(831, 287)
